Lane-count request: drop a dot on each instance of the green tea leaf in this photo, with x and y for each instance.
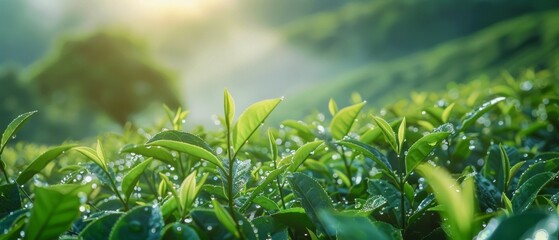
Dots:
(489, 196)
(446, 113)
(302, 153)
(101, 227)
(471, 117)
(270, 229)
(143, 222)
(458, 203)
(241, 175)
(40, 162)
(131, 178)
(332, 107)
(54, 210)
(9, 199)
(13, 128)
(350, 227)
(302, 128)
(422, 148)
(92, 155)
(261, 186)
(158, 153)
(273, 146)
(505, 164)
(295, 218)
(312, 196)
(251, 119)
(6, 222)
(343, 120)
(179, 231)
(519, 226)
(224, 218)
(266, 203)
(188, 191)
(369, 152)
(187, 143)
(393, 197)
(207, 220)
(527, 192)
(229, 108)
(550, 165)
(387, 131)
(401, 134)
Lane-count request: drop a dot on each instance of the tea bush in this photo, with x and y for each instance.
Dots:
(478, 161)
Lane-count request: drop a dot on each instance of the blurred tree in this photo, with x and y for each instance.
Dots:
(15, 97)
(111, 71)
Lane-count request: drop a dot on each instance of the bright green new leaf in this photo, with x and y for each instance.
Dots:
(343, 120)
(101, 153)
(527, 192)
(131, 178)
(273, 145)
(387, 131)
(187, 143)
(251, 119)
(446, 113)
(401, 134)
(143, 222)
(224, 218)
(505, 165)
(302, 153)
(158, 153)
(422, 148)
(266, 203)
(332, 107)
(303, 129)
(313, 198)
(471, 117)
(54, 209)
(188, 191)
(92, 155)
(229, 108)
(457, 202)
(40, 162)
(12, 129)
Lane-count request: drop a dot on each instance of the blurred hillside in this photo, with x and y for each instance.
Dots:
(305, 50)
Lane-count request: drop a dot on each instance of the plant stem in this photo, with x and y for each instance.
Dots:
(115, 190)
(230, 196)
(347, 166)
(402, 193)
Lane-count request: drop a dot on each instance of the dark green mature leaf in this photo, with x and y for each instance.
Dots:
(422, 148)
(551, 165)
(158, 153)
(519, 225)
(100, 228)
(12, 129)
(370, 152)
(471, 117)
(7, 221)
(40, 162)
(372, 203)
(312, 196)
(266, 203)
(228, 108)
(343, 120)
(131, 178)
(16, 229)
(350, 227)
(187, 143)
(261, 186)
(295, 218)
(143, 222)
(9, 199)
(527, 192)
(268, 228)
(387, 131)
(391, 194)
(179, 231)
(251, 119)
(241, 175)
(225, 219)
(488, 195)
(54, 210)
(302, 153)
(207, 220)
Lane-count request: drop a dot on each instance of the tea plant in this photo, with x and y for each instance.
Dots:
(461, 165)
